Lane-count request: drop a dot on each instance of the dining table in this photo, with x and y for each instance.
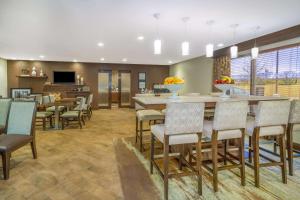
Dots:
(160, 102)
(67, 102)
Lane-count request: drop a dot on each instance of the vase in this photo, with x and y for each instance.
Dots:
(174, 88)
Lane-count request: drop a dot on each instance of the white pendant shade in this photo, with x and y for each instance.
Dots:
(254, 52)
(209, 50)
(157, 47)
(234, 52)
(185, 48)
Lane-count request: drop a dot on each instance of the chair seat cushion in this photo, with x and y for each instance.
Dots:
(264, 131)
(73, 113)
(12, 142)
(296, 127)
(159, 131)
(145, 115)
(52, 108)
(222, 135)
(43, 114)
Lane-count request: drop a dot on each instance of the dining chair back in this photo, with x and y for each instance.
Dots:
(90, 100)
(52, 98)
(4, 110)
(184, 118)
(294, 116)
(46, 99)
(21, 117)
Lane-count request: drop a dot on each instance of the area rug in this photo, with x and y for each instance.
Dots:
(186, 187)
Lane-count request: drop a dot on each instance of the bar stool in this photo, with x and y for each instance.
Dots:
(271, 120)
(183, 125)
(229, 122)
(293, 125)
(145, 116)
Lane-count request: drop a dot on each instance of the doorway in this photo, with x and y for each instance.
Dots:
(114, 89)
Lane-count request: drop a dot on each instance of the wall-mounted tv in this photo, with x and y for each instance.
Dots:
(63, 77)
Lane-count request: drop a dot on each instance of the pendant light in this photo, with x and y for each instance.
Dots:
(209, 48)
(157, 42)
(185, 46)
(255, 49)
(234, 48)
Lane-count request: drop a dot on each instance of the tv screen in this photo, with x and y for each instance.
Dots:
(64, 77)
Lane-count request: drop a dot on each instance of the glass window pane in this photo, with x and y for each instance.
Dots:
(240, 71)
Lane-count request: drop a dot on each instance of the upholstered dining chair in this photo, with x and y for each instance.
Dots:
(293, 125)
(271, 120)
(229, 122)
(20, 130)
(74, 115)
(87, 106)
(183, 125)
(4, 109)
(51, 99)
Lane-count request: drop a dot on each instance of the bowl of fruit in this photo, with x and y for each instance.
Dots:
(225, 84)
(173, 84)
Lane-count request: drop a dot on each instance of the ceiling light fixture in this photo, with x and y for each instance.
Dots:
(140, 38)
(185, 46)
(31, 59)
(102, 59)
(220, 45)
(170, 62)
(124, 59)
(100, 44)
(157, 42)
(42, 56)
(209, 48)
(255, 49)
(75, 60)
(234, 49)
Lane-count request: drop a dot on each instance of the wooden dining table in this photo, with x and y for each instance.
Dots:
(159, 102)
(67, 102)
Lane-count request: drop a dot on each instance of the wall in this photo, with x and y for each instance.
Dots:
(197, 73)
(3, 77)
(154, 74)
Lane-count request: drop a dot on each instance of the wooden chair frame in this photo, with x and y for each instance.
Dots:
(77, 119)
(166, 155)
(43, 120)
(254, 147)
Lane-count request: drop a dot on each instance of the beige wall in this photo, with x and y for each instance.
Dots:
(3, 77)
(197, 73)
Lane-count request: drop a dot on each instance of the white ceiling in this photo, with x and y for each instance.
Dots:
(64, 30)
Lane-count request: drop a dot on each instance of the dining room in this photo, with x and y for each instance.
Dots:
(149, 100)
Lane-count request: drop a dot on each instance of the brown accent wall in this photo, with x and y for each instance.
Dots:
(154, 74)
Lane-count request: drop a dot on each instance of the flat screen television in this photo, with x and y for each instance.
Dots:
(63, 77)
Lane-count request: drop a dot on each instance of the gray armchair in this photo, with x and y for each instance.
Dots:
(19, 131)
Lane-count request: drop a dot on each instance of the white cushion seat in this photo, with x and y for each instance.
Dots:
(159, 129)
(72, 113)
(43, 114)
(264, 131)
(296, 127)
(222, 135)
(146, 115)
(164, 111)
(52, 108)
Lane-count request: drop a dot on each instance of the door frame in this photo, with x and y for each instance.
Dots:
(120, 87)
(109, 87)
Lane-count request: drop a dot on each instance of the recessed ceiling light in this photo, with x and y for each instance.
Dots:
(31, 59)
(102, 59)
(220, 45)
(100, 44)
(170, 62)
(124, 59)
(74, 60)
(13, 58)
(140, 37)
(42, 56)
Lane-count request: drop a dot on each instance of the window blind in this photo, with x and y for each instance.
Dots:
(240, 71)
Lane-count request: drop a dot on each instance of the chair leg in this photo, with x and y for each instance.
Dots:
(44, 124)
(290, 149)
(62, 123)
(33, 149)
(242, 161)
(255, 140)
(82, 119)
(215, 163)
(51, 121)
(152, 153)
(283, 158)
(141, 136)
(199, 167)
(181, 149)
(250, 149)
(5, 165)
(79, 122)
(225, 151)
(166, 166)
(136, 129)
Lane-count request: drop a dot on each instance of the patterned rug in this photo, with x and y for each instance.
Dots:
(229, 181)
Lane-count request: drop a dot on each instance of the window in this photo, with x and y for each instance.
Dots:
(240, 71)
(276, 72)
